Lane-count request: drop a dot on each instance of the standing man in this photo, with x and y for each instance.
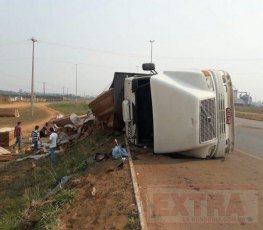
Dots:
(18, 134)
(35, 138)
(53, 143)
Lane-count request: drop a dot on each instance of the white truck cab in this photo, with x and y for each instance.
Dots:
(187, 112)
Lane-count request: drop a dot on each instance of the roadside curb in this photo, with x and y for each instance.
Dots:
(136, 189)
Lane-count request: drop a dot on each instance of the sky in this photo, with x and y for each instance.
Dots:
(107, 36)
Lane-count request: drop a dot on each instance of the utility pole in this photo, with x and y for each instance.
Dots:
(137, 68)
(32, 80)
(67, 92)
(63, 94)
(44, 89)
(76, 83)
(151, 41)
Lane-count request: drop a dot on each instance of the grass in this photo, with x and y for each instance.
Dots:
(67, 108)
(49, 211)
(30, 186)
(25, 117)
(134, 221)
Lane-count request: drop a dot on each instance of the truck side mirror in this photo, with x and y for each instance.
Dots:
(148, 66)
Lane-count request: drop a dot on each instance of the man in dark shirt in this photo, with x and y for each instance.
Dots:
(18, 134)
(44, 131)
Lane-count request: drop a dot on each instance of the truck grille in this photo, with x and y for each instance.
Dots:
(207, 120)
(221, 114)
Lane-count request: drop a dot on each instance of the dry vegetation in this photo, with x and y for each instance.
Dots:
(253, 113)
(25, 117)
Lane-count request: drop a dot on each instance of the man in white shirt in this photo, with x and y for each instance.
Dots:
(53, 143)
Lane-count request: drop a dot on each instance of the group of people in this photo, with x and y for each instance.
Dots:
(36, 136)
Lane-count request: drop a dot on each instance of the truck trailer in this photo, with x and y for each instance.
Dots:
(185, 112)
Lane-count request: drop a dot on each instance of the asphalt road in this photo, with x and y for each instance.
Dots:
(249, 136)
(163, 180)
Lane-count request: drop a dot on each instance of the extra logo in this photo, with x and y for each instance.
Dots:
(202, 204)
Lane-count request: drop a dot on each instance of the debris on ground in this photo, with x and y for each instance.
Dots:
(4, 151)
(100, 156)
(58, 185)
(73, 128)
(35, 157)
(5, 155)
(72, 119)
(119, 151)
(93, 192)
(33, 165)
(70, 129)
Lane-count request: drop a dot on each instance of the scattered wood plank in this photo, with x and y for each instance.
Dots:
(4, 151)
(5, 155)
(72, 119)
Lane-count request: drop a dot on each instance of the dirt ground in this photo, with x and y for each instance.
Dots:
(15, 105)
(113, 205)
(28, 127)
(180, 175)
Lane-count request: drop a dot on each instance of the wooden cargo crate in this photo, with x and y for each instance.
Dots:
(7, 137)
(103, 107)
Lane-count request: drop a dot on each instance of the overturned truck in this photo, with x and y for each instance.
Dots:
(186, 112)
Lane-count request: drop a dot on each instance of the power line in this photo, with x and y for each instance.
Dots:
(81, 63)
(234, 59)
(12, 43)
(92, 50)
(133, 54)
(144, 56)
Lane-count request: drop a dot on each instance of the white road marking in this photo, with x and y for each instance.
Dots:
(249, 154)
